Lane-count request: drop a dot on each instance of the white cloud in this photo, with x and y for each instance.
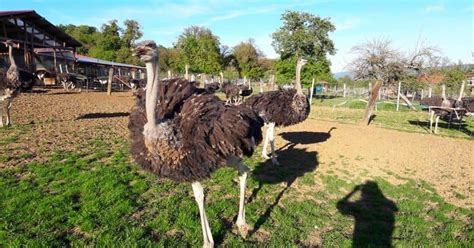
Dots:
(434, 8)
(348, 24)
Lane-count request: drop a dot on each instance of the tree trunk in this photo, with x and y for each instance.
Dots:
(371, 104)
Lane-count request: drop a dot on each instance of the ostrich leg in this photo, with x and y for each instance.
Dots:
(206, 230)
(9, 106)
(237, 163)
(271, 137)
(265, 142)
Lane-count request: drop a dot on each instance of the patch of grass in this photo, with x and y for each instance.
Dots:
(97, 198)
(387, 117)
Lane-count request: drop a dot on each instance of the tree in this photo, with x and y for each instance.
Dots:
(87, 35)
(247, 56)
(199, 48)
(130, 35)
(303, 35)
(376, 60)
(108, 43)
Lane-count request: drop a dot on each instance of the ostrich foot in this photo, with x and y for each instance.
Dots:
(243, 229)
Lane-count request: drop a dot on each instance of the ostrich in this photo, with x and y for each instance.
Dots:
(231, 92)
(12, 82)
(445, 108)
(184, 134)
(212, 87)
(283, 107)
(245, 90)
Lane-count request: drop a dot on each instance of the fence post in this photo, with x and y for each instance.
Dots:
(311, 93)
(109, 83)
(344, 91)
(398, 95)
(429, 91)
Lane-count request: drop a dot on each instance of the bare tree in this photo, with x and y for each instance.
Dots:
(376, 60)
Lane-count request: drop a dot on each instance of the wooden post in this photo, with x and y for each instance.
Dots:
(186, 75)
(370, 88)
(429, 91)
(343, 92)
(461, 91)
(422, 94)
(109, 84)
(398, 95)
(443, 91)
(261, 85)
(193, 78)
(311, 92)
(169, 74)
(371, 103)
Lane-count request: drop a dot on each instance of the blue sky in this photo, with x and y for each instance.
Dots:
(445, 24)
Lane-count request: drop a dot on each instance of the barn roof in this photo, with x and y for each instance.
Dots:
(29, 26)
(91, 60)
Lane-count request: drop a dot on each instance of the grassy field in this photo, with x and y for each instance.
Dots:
(99, 198)
(66, 180)
(351, 110)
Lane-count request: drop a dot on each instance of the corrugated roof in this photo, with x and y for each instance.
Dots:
(40, 22)
(86, 59)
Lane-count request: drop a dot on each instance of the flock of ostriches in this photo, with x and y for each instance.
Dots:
(184, 133)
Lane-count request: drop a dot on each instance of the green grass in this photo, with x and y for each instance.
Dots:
(386, 116)
(100, 198)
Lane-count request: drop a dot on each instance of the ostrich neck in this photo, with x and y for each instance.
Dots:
(299, 90)
(153, 79)
(10, 55)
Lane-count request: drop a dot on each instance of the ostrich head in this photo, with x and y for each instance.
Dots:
(146, 51)
(299, 64)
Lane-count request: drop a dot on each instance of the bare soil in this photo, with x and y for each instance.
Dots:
(56, 120)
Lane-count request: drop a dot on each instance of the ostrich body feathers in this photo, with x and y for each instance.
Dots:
(195, 135)
(283, 107)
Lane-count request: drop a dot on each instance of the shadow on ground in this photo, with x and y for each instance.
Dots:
(461, 127)
(65, 93)
(103, 115)
(294, 163)
(306, 138)
(373, 213)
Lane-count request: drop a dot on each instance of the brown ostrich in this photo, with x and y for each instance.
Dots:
(12, 82)
(184, 134)
(448, 109)
(283, 107)
(231, 92)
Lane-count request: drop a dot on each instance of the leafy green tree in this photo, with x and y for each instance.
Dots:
(247, 57)
(129, 36)
(303, 35)
(199, 48)
(168, 58)
(454, 75)
(87, 35)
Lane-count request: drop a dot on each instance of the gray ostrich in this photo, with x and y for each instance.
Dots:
(184, 134)
(12, 82)
(283, 107)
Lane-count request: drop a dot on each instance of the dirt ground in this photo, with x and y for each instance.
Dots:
(67, 121)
